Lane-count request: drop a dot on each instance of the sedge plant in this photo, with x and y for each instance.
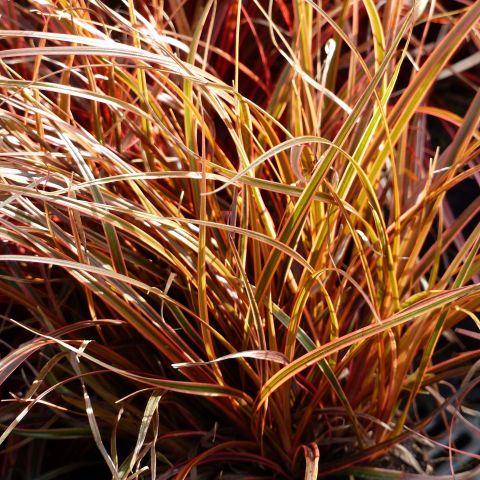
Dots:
(239, 238)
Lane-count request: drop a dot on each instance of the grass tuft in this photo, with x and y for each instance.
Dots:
(239, 239)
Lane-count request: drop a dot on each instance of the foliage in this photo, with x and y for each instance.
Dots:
(231, 241)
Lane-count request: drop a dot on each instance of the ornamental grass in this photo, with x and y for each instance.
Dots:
(239, 238)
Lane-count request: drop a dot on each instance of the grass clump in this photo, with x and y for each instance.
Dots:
(239, 238)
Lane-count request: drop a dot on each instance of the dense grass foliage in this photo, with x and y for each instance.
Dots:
(239, 239)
